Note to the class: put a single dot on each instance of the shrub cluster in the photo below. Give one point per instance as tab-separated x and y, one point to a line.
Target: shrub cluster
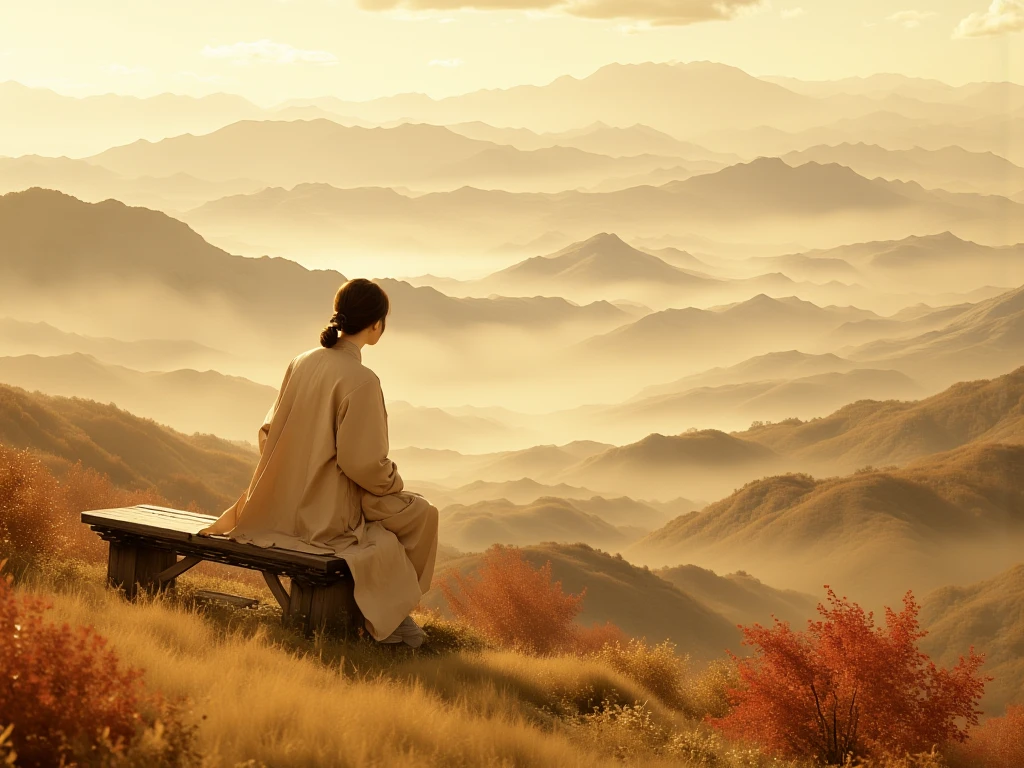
39	513
66	700
518	606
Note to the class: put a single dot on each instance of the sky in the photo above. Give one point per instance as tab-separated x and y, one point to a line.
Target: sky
272	50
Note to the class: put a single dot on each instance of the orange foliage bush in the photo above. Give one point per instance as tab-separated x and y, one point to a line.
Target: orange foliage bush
518	606
998	743
67	698
846	687
39	513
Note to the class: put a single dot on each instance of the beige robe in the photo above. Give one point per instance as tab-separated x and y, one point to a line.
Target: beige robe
324	484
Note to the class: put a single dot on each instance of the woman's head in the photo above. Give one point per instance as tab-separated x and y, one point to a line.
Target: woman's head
359	306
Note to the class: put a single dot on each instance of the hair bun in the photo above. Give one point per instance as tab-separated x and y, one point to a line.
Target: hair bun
329	336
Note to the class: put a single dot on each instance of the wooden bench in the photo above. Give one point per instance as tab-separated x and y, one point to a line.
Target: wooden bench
147	541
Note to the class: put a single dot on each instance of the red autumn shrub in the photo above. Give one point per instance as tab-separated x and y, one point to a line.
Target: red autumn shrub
518	606
40	514
30	503
997	743
67	697
846	687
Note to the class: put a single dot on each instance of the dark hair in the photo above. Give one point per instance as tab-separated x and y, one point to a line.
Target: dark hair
358	304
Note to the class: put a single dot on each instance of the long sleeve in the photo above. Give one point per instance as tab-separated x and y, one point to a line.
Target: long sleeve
362	441
264	432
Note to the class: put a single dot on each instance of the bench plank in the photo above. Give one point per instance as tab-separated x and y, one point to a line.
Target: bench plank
160	526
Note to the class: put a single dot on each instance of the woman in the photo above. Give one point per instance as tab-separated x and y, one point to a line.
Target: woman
324	482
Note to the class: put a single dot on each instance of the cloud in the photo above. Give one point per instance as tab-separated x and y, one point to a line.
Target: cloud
910	19
268	51
792	13
446	63
656	12
1001	18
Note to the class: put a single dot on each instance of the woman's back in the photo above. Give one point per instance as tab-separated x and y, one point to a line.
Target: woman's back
324	483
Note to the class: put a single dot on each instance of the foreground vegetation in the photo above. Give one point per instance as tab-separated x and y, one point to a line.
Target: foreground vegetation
197	683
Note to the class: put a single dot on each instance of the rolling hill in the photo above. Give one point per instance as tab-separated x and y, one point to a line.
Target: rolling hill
818	205
133	452
990	616
952	168
22	338
91	183
286	153
187	400
789	364
598	138
567	101
478	526
759	400
985	340
740	597
873	534
935	263
695	464
99	121
883	433
700	338
634	598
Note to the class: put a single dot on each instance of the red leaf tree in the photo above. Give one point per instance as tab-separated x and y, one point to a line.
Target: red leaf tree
844	687
519	606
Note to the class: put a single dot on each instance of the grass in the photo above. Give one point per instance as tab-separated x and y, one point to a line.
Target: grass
263	695
261	692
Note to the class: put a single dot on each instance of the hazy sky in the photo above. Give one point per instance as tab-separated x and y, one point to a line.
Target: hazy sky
269	50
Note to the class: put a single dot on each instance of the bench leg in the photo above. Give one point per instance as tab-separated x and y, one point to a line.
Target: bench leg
332	609
130	566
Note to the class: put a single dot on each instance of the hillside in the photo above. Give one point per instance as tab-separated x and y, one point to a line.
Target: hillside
23	338
286	153
952	167
635	599
719	336
881	433
740	597
738	404
873	534
697	464
985	340
134	452
990	616
935	263
478	526
187	400
790	364
603	259
99	121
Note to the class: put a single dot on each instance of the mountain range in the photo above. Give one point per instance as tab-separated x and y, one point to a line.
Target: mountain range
875	533
820	205
286	153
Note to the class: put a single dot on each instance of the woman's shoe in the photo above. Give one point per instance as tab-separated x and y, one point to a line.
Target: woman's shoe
408	632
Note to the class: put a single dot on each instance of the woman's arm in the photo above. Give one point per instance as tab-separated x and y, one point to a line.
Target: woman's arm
362	438
264	432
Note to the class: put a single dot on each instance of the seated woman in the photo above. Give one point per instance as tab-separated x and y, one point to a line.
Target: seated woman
324	483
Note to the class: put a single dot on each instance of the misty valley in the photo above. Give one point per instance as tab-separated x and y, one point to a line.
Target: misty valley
699	364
